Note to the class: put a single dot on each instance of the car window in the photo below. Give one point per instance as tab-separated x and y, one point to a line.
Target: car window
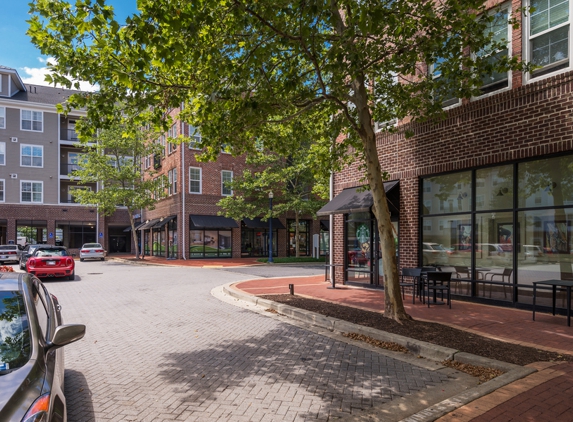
14	332
51	252
8	248
92	245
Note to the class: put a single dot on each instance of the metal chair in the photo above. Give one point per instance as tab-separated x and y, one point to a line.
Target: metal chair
505	275
462	274
414	275
439	281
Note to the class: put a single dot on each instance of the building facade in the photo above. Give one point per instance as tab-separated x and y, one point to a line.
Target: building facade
186	224
37	154
487	192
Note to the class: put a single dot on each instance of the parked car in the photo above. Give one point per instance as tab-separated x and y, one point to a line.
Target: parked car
27	252
434	254
31	358
10	253
92	251
533	253
51	261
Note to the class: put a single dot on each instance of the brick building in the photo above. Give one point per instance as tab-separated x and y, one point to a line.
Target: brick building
486	193
188	217
37	153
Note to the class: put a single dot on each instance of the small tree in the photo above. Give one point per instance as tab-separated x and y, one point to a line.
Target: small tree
296	186
113	160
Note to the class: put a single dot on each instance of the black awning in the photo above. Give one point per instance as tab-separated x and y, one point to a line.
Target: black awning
325	225
211	222
127	229
350	200
148	224
163	221
257	223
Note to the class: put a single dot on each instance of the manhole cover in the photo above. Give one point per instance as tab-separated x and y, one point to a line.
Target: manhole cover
94	273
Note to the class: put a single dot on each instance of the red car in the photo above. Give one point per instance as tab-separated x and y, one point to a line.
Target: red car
51	261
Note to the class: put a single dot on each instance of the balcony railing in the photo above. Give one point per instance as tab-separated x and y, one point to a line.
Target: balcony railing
69	135
67	168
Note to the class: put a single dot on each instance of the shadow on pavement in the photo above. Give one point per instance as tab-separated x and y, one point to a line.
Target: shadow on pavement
270	371
78	397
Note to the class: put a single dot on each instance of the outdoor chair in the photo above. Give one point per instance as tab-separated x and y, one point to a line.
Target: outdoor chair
410	277
462	273
505	276
439	281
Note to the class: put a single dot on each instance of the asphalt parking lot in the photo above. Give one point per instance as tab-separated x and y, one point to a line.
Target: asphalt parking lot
160	347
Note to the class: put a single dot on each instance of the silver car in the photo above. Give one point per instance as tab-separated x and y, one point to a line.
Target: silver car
10	253
31	358
92	251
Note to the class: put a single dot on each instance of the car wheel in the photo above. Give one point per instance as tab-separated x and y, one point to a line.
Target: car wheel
81	260
103	259
72	276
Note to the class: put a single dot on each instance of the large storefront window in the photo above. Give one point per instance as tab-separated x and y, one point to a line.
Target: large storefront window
303	237
35	231
255	242
505	233
324	237
172	237
73	234
213	243
158	246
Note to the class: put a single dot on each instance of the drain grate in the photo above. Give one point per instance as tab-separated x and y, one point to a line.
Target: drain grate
94	273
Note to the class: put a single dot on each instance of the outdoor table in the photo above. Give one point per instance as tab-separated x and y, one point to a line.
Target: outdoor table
567	284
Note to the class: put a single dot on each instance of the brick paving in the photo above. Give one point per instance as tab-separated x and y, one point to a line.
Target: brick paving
159	347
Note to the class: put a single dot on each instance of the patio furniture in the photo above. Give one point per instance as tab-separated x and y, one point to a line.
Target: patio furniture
567	284
462	273
410	277
438	281
505	276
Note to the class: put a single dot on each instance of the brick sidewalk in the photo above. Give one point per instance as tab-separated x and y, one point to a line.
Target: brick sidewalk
543	396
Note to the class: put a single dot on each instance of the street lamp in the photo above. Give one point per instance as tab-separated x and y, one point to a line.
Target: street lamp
271	228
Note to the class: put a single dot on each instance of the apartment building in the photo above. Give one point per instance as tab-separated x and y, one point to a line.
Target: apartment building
486	193
187	224
37	154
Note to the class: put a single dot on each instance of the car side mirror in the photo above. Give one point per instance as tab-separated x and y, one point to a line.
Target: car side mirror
66	334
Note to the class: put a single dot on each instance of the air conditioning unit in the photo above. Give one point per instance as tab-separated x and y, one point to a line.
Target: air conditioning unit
14	139
13	176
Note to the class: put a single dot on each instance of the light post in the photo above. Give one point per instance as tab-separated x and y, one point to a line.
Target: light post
271	228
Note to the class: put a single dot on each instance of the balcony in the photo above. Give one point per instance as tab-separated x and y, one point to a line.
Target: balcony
67	168
69	135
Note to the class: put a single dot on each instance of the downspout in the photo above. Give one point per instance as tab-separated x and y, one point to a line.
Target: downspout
182	191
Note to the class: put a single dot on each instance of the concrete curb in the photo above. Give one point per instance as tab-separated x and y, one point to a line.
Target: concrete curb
420	348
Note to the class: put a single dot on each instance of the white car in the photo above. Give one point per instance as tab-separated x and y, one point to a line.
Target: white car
92	251
10	253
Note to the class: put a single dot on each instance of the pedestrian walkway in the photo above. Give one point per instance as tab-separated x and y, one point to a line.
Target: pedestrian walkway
542	396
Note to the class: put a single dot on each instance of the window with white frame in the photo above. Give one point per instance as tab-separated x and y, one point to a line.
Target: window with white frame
548	31
195	180
391	79
31	192
500	31
31	155
32	120
2	115
443	93
194	138
2	184
2	153
226	179
172	177
171	133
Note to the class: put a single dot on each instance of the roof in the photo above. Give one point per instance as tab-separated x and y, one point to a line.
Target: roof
10	281
44	94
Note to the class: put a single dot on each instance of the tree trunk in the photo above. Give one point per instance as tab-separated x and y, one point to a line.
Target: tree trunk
133	233
393	305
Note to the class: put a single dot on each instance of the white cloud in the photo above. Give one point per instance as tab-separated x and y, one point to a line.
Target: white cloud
36	75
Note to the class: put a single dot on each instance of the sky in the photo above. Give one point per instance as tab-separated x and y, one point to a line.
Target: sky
16	49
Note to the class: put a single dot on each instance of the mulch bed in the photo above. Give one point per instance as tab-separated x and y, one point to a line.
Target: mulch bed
425	331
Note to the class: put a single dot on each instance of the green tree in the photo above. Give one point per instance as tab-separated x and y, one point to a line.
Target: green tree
245	68
297	189
113	161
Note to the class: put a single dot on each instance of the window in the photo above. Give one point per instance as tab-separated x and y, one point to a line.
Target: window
73	189
442	93
549	35
2	153
172	176
31	192
226	178
194	180
172	133
31	155
385	105
2	115
32	120
194	138
2	190
500	32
